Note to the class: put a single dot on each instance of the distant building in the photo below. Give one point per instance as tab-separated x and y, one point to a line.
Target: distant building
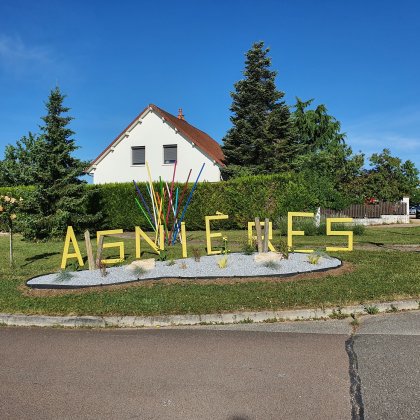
160	139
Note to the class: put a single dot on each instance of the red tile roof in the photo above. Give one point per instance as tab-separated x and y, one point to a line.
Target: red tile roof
202	140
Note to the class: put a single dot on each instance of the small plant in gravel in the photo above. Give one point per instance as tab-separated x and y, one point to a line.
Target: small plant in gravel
225	249
314	258
272	265
284	249
197	254
170	263
163	256
392	308
248	248
64	275
138	272
183	266
372	310
223	262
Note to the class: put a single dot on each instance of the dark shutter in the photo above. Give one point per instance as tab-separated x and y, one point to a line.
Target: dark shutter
138	155
169	154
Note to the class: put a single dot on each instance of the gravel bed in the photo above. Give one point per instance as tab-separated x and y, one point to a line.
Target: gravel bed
239	265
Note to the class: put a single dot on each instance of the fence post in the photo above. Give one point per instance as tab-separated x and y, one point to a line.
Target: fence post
318	217
406	200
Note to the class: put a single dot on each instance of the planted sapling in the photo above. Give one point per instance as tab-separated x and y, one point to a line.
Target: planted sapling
139	272
271	265
222	263
64	275
197	254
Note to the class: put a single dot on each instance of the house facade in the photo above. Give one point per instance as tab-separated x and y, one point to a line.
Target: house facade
160	139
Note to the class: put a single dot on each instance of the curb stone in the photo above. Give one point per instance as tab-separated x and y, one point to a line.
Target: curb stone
174	320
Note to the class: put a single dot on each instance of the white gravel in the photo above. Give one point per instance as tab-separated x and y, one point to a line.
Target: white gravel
239	265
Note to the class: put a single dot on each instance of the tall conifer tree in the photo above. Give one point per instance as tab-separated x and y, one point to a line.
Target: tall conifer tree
260	139
60	197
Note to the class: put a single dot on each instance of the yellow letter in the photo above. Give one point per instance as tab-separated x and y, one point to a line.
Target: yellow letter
161	238
139	233
70	237
291	232
213	235
183	240
119	245
347	233
270	234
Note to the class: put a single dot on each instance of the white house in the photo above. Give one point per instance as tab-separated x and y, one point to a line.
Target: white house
160	139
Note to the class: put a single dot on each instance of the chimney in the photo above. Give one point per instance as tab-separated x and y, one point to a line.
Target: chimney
180	114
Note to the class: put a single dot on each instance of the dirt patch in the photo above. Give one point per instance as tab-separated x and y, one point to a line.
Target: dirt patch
345	268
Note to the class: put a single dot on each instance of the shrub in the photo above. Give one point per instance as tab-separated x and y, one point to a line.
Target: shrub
359	229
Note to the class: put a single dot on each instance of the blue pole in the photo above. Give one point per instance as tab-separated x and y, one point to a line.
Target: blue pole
176	199
142	199
186	205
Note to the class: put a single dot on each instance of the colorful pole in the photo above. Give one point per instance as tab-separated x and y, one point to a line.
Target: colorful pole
170	193
145	214
186	204
179	204
142	198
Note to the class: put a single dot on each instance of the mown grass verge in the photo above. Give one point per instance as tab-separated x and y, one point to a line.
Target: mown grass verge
377	276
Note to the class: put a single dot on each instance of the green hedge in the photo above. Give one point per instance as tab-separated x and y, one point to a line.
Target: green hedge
16	192
242	199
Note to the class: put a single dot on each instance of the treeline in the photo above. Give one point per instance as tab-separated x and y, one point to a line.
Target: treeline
268	136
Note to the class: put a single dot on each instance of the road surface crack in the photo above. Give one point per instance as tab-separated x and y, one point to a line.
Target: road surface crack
356	400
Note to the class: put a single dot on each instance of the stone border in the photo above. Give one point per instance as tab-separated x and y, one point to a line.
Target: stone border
176	320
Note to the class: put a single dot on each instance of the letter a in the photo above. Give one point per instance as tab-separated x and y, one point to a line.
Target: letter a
71	237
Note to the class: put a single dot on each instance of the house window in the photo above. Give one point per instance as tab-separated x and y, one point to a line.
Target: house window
138	155
170	154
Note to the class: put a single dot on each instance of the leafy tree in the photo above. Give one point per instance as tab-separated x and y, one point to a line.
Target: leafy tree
321	146
60	198
259	141
389	178
415	196
18	165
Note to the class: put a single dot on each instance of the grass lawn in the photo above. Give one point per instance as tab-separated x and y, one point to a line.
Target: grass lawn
378	275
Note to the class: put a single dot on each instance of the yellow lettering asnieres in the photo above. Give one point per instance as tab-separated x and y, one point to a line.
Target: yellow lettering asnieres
119	245
291	232
251	237
210	235
140	234
347	233
71	238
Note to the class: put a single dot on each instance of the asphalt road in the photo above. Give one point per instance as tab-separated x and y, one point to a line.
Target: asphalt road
388	355
272	371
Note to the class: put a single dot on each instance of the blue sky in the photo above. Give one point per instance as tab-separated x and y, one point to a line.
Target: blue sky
360	58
